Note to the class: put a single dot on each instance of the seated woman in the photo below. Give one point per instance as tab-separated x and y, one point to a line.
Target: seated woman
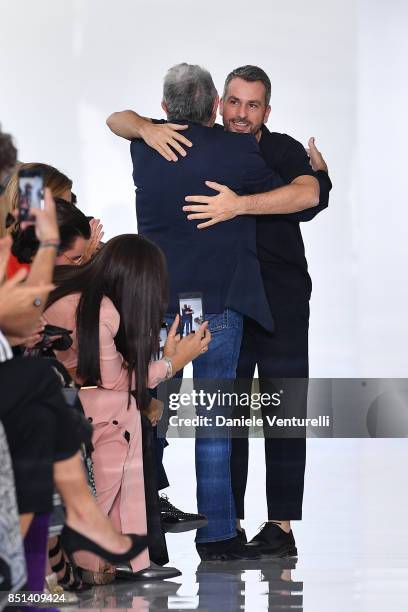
115	304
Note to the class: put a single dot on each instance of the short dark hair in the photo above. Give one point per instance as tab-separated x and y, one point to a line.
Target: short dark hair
250	73
189	93
72	223
8	152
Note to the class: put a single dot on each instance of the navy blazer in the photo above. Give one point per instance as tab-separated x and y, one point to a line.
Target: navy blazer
220	261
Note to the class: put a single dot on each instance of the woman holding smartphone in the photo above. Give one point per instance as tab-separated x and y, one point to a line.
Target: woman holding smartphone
115	304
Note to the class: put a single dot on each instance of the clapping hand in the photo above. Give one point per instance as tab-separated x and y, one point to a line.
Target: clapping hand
316	158
94	241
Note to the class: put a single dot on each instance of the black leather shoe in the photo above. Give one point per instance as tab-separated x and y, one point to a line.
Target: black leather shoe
273	541
153	572
176	521
226	550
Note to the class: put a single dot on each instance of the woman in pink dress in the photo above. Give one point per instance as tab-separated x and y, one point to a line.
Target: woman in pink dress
115	306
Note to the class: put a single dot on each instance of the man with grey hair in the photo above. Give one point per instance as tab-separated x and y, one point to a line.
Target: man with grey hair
197	83
221	264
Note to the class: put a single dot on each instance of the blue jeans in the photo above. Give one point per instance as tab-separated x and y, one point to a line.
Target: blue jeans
212	455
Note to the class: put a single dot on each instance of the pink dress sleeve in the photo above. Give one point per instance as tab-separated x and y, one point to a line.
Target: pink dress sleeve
114	374
157	373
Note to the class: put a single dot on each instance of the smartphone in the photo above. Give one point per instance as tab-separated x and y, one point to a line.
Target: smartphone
191	312
164	331
162	341
30	192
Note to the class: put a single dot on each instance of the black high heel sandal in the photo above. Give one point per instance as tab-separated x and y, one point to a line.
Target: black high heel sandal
72	541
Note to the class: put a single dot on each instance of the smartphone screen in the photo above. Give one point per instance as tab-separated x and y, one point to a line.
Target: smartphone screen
163	337
30	193
191	312
162	341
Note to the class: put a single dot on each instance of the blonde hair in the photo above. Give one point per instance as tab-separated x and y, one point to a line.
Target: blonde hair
58	182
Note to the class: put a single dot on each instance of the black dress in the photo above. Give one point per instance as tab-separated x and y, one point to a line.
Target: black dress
40	428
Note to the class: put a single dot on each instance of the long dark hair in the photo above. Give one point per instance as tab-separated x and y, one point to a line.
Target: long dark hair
131	271
72	223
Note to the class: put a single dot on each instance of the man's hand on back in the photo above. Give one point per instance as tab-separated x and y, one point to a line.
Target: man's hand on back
221	207
164	137
301	194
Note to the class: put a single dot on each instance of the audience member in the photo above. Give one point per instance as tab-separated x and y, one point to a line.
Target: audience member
115	304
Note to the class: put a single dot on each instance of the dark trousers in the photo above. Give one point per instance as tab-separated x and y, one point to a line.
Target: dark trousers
159	444
279	355
155	533
40	428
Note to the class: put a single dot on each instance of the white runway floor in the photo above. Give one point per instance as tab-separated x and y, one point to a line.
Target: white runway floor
352	542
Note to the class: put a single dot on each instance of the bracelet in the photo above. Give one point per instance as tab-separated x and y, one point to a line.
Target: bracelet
54	244
169	373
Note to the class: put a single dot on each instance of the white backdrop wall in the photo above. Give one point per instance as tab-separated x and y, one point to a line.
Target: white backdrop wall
336	69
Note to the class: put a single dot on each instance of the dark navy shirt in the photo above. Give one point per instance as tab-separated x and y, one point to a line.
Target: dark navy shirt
221	261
